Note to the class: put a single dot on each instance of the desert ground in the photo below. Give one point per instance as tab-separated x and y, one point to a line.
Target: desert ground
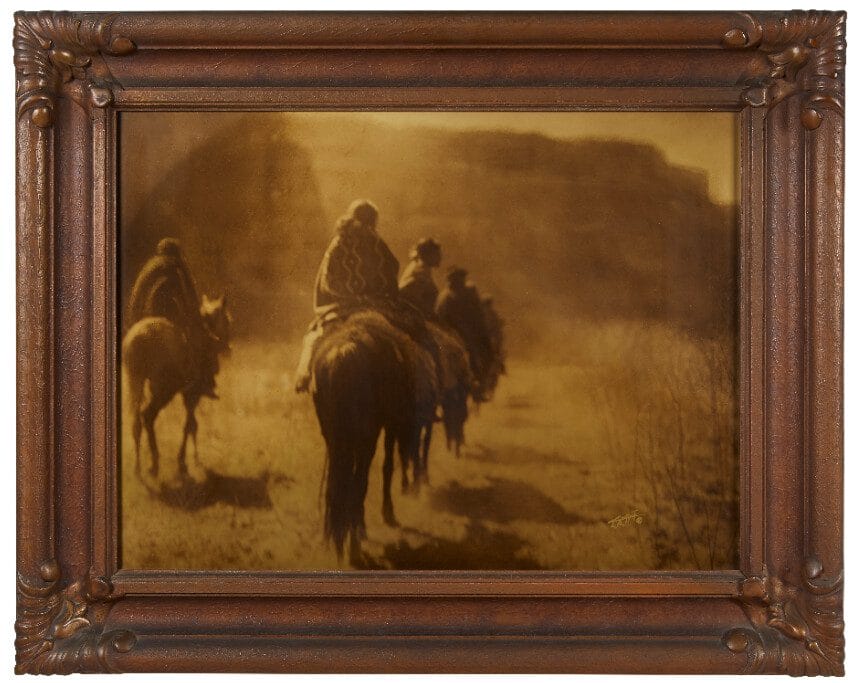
548	468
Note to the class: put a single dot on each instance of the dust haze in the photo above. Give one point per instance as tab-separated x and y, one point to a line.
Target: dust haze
612	265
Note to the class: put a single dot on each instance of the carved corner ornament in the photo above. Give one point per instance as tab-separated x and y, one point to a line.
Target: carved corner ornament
797	630
59	52
56	631
807	57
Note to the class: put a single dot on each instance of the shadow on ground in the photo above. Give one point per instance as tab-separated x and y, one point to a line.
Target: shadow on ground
480	549
502	501
515	455
191	494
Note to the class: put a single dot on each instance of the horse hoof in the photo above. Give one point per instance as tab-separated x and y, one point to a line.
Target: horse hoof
356	558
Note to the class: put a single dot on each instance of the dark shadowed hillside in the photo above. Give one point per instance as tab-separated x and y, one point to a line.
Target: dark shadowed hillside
558	231
245	203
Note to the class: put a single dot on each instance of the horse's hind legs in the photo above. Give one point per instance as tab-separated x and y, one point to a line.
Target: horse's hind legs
423	458
153	444
189	430
135	385
149	413
411	454
137	430
387	504
355	554
405	460
359	522
357	496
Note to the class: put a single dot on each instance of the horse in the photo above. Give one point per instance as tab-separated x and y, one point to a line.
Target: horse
461	381
455	383
367	376
414	436
160	356
496	365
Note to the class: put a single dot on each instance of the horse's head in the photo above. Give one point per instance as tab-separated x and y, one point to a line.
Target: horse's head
218	321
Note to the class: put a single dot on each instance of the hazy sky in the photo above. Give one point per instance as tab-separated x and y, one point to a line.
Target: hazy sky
703	140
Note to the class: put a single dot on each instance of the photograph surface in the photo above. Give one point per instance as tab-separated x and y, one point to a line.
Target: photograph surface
428	340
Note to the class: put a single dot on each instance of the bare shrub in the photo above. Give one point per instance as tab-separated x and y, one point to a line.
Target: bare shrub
667	403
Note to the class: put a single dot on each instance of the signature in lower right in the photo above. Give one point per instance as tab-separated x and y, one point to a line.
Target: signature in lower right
625	520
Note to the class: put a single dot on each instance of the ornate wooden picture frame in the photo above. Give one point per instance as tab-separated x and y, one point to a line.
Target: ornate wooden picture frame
780	612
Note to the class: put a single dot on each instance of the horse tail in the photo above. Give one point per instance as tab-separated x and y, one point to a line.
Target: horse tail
153	350
136	383
341	379
135	370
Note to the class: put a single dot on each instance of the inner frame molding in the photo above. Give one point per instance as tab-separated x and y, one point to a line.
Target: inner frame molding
781	613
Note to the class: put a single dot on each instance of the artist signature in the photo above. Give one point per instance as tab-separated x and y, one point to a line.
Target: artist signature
625	520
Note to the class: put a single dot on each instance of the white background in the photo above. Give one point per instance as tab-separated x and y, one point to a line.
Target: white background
7	279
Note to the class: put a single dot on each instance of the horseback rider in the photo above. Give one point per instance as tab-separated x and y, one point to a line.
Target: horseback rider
358	266
497	353
459	307
416	285
165	288
358	270
494	327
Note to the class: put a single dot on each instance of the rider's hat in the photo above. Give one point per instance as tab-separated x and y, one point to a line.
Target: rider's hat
426	248
456	274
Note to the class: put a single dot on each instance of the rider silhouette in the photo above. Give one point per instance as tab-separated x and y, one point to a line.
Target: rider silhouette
459	307
357	270
165	288
416	285
358	266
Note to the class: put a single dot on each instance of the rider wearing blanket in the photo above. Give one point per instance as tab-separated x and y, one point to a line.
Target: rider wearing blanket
358	267
358	272
165	288
459	308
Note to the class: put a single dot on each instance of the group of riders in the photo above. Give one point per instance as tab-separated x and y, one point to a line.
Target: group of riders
358	272
394	354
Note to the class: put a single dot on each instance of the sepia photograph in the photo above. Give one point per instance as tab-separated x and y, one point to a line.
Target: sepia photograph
428	341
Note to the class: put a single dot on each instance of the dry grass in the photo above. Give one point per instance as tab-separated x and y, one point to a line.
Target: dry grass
630	421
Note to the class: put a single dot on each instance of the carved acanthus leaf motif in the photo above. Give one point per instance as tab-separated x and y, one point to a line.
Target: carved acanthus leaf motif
55	48
807	57
797	630
55	634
